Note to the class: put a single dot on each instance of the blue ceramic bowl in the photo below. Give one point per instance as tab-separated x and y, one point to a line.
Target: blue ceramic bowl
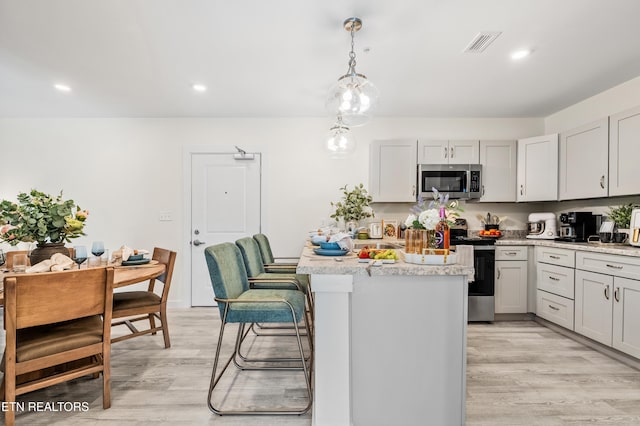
329	246
135	257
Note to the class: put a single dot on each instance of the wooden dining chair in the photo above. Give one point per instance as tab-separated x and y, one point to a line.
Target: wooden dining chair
58	328
11	254
146	305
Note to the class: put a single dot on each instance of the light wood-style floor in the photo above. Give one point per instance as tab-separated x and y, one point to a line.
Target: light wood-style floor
519	373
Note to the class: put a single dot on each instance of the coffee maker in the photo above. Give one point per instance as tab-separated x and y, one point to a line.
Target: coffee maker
577	226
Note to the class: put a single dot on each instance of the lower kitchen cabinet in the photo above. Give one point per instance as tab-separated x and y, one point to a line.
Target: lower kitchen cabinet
593	306
626	316
556	309
607	306
511	287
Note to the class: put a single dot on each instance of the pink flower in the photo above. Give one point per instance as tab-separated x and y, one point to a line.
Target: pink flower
82	214
5	228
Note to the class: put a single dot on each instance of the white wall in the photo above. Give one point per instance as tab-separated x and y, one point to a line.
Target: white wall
125	171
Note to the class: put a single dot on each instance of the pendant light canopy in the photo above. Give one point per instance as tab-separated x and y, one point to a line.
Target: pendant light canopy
353	96
339	141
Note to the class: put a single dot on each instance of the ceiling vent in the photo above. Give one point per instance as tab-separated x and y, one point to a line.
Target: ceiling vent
481	41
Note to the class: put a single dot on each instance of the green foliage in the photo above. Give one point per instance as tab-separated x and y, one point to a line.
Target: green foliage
621	215
41	218
354	204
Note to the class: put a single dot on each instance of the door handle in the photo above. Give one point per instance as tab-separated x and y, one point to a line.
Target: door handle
606	292
197	242
498	277
602	182
446	152
451	149
521	190
616	294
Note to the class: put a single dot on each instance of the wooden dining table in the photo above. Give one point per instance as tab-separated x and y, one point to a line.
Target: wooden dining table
122	275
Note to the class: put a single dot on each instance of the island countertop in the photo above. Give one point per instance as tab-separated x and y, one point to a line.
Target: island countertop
311	263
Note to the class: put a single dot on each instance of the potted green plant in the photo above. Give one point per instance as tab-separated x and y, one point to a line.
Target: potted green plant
353	207
621	215
41	218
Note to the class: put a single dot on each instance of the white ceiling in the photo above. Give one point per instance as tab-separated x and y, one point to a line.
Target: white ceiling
265	58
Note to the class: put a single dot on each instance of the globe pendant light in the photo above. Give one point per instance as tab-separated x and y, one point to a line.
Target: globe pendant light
353	96
340	142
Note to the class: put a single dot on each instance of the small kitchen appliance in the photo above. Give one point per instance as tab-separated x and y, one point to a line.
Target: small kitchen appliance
542	226
577	226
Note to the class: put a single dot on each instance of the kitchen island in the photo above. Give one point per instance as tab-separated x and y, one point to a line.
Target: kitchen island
390	341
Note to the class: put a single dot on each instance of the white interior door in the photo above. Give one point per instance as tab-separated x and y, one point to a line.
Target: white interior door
225	206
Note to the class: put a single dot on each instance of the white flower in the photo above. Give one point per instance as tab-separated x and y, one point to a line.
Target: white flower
410	219
429	218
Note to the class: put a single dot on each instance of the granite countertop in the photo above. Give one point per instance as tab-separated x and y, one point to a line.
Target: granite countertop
619	249
311	263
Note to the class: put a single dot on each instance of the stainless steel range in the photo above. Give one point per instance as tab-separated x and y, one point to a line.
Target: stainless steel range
482	289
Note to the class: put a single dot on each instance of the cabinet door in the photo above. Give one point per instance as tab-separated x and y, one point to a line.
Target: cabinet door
393	170
624	151
498	159
464	152
538	168
626	316
583	165
511	287
593	306
433	152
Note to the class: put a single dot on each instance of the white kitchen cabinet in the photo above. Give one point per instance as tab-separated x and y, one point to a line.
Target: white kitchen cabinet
608	301
393	170
499	167
593	306
555	280
554	308
626	316
583	161
449	152
624	151
538	168
511	287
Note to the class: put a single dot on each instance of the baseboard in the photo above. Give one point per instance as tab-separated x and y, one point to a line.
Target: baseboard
514	317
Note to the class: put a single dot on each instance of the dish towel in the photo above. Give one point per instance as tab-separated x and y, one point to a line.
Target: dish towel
343	239
58	262
465	257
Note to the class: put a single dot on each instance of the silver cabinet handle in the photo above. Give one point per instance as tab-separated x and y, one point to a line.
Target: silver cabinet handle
602	182
614	266
553	278
616	294
451	149
197	242
498	277
554	257
606	292
413	191
482	189
511	253
521	190
446	152
554	308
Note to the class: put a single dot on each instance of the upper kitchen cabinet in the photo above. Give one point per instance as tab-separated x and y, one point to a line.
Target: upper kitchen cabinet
583	167
499	165
538	168
393	170
624	151
448	152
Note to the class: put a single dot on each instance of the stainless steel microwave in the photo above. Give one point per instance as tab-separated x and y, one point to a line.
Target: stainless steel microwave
458	180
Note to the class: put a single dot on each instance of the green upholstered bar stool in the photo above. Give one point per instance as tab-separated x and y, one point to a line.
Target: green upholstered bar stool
271	263
260	278
238	303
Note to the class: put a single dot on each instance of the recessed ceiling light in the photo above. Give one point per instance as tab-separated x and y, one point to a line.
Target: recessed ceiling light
62	87
520	54
199	88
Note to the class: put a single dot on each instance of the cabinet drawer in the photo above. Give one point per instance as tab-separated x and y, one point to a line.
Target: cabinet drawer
610	264
556	309
555	256
511	252
556	279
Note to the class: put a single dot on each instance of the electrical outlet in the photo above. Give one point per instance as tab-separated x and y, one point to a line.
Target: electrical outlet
165	216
